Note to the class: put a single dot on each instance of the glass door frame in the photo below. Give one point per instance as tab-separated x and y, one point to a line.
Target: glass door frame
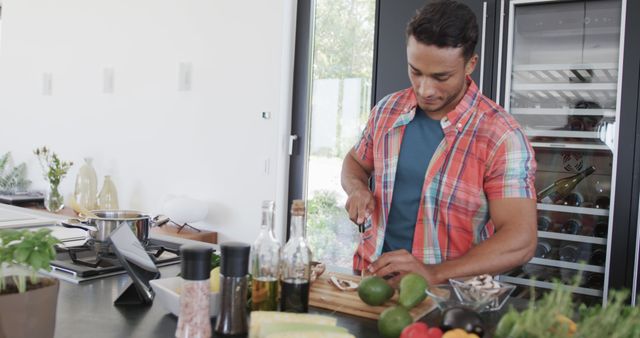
301	105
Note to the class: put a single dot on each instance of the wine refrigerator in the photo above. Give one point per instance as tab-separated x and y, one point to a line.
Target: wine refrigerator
562	81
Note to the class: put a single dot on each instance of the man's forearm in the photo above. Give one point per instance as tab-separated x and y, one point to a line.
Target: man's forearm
503	251
354	176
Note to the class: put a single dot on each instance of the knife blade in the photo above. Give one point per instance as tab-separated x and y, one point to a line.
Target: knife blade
361	231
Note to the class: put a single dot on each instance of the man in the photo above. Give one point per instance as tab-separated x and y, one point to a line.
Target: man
453	173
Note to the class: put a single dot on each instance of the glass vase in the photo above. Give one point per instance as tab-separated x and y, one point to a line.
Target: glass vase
53	200
108	196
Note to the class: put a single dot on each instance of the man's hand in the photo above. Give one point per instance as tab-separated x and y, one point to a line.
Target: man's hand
355	181
400	262
360	205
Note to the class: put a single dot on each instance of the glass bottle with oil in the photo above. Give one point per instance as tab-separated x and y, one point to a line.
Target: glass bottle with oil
295	276
265	262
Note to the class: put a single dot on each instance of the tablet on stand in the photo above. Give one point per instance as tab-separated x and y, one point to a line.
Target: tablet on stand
136	261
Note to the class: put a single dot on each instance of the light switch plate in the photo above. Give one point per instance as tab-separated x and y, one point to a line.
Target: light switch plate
185	70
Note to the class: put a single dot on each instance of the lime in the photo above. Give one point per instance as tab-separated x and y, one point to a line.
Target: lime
374	290
412	288
214	279
393	320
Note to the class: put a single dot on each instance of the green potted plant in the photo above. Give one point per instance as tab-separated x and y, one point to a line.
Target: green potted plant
54	170
27	302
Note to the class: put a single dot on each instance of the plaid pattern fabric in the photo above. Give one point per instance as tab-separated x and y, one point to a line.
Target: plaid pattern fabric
484	156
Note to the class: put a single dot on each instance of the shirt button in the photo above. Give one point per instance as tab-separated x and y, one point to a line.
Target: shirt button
459	126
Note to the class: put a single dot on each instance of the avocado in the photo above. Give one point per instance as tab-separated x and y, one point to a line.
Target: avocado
412	290
374	290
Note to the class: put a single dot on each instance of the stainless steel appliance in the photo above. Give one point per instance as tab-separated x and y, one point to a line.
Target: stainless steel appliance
562	83
88	260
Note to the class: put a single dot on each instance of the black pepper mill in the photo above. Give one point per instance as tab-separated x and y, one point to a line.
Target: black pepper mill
234	269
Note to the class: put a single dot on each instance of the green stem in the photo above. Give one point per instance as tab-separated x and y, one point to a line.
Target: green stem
22	283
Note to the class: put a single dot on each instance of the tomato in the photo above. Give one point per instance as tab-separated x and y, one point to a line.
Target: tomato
415	330
434	332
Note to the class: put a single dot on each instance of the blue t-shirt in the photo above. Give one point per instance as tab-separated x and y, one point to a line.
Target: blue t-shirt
421	138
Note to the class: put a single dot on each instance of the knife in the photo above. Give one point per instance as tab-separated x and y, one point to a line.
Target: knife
361	231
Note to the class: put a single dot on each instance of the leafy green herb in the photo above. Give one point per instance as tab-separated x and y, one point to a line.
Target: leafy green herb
215	260
33	250
550	318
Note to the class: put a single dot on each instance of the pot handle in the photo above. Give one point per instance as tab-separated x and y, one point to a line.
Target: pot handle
160	220
78	224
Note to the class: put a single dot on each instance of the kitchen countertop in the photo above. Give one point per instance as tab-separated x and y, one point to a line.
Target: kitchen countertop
87	310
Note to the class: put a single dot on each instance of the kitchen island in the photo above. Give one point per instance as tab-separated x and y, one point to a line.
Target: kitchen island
87	310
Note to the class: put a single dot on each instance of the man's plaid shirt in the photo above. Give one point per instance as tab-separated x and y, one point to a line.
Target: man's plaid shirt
484	156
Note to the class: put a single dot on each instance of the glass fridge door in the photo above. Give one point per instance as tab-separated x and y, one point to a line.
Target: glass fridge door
562	85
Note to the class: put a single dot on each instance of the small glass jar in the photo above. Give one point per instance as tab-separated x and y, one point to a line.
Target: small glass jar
194	320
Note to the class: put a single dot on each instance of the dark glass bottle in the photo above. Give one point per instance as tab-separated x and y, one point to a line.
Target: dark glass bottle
602	202
569	252
545	223
594	280
572	226
574	199
543	249
295	260
598	257
601	229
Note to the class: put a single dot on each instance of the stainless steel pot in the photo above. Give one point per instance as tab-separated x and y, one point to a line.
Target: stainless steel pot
105	221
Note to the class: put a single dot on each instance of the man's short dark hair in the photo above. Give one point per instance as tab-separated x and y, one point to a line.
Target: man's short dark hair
445	23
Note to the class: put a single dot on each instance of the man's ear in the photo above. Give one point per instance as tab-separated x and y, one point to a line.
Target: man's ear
470	66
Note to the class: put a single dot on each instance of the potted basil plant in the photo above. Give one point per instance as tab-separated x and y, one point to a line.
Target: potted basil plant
27	301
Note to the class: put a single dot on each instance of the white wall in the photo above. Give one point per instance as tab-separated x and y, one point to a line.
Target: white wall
209	143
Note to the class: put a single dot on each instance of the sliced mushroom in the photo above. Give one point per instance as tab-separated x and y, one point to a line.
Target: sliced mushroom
343	284
316	270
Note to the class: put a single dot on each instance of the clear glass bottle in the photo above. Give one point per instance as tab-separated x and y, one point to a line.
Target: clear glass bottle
194	320
86	188
563	187
296	264
265	260
108	197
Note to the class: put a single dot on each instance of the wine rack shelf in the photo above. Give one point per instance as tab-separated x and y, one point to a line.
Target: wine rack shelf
548	285
567	265
573	238
572	210
545	73
569	145
563	112
561	133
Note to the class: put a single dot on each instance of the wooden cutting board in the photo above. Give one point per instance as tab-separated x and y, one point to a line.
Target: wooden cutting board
326	296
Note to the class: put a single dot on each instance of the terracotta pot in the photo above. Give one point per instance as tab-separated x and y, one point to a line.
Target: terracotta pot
30	314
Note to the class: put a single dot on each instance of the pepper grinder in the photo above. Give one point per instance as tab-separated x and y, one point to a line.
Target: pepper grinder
194	320
234	269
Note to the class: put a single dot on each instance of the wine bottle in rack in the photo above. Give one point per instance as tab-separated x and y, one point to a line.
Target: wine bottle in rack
569	252
545	223
574	199
602	202
572	227
543	249
561	188
601	229
598	257
593	280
